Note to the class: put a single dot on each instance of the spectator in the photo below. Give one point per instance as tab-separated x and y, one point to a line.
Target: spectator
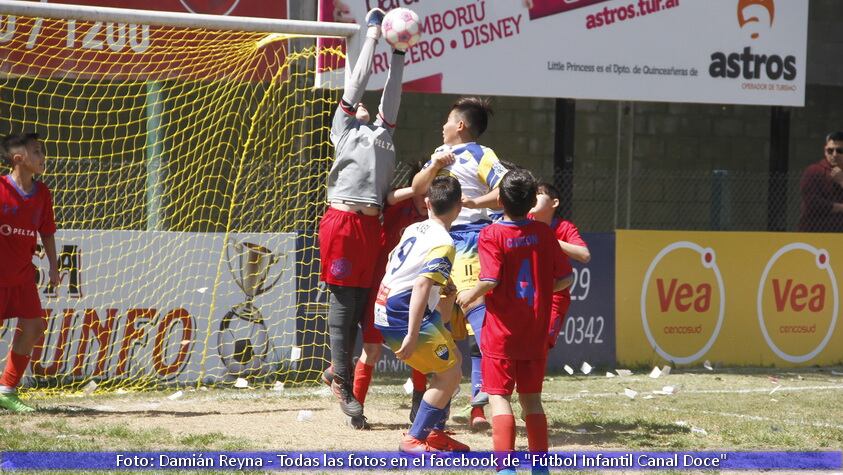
822	190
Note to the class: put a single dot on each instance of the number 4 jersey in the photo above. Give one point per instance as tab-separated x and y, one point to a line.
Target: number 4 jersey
525	260
427	250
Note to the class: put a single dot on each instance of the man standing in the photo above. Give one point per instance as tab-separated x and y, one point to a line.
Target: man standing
822	190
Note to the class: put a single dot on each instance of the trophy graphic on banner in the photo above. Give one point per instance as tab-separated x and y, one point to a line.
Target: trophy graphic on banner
243	340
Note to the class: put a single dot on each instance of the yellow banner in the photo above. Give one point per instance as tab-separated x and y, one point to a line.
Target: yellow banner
732	298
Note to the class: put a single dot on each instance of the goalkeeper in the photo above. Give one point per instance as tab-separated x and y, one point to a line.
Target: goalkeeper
359	183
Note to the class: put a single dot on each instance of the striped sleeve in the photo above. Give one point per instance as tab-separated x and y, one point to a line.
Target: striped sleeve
438	263
490	171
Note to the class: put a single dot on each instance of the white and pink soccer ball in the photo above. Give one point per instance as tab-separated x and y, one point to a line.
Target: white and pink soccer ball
401	28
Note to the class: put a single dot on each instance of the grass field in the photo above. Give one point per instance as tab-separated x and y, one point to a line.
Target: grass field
742	410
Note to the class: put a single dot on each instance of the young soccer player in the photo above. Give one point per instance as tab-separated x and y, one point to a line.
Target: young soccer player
26	208
358	184
479	172
521	267
572	244
405	313
406	206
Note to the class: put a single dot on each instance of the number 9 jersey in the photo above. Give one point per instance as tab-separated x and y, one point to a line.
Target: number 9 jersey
426	250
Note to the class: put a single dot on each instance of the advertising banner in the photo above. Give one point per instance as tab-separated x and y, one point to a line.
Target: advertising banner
167	306
708	51
74	48
731	298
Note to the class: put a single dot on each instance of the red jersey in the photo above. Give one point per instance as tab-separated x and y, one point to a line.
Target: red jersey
525	260
396	218
21	217
565	231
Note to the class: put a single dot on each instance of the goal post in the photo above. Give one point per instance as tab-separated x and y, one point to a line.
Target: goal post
187	156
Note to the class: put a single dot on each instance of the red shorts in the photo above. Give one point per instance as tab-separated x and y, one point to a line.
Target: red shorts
20	302
348	245
501	376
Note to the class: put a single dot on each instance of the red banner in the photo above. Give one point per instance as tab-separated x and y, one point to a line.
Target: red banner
50	48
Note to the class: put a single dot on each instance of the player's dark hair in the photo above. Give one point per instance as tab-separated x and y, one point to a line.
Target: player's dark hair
548	189
445	193
475	113
13	141
834	137
518	193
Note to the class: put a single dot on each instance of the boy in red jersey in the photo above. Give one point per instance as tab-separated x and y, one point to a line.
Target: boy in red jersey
521	266
26	208
572	244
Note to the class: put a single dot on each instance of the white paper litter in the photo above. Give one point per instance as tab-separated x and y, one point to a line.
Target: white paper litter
241	383
775	389
655	373
203	388
630	393
698	431
278	386
568	369
202	290
295	353
666	370
610	374
89	388
408	386
121	391
623	372
585	368
584	391
681	423
707	365
304	416
649	396
175	395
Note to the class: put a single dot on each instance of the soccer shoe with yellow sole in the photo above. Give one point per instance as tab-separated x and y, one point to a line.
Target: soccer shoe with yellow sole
462	416
11	402
441	440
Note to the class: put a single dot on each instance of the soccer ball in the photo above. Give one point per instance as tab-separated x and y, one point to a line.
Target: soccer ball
401	28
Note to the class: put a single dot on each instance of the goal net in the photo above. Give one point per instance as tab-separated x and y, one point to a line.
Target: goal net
187	164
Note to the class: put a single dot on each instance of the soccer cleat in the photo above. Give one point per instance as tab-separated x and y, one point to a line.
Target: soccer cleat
328	376
478	420
413	445
462	416
358	423
417	399
441	440
480	399
348	405
375	17
11	402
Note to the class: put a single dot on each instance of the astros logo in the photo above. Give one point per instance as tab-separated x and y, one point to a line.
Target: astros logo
746	15
682	302
797	302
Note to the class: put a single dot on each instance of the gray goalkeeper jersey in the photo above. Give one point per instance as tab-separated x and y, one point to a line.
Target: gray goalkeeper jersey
364	158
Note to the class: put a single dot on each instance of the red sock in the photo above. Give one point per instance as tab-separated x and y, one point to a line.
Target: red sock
536	432
15	368
362	378
419	381
503	433
477	411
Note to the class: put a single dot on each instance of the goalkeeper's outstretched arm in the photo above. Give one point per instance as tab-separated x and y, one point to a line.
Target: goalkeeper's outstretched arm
391	97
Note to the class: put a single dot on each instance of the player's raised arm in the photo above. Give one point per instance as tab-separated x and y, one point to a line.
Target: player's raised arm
356	85
391	97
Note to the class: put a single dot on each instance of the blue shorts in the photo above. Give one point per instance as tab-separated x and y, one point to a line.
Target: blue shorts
435	351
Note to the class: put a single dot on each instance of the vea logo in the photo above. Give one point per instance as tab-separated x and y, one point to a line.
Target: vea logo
682	302
797	302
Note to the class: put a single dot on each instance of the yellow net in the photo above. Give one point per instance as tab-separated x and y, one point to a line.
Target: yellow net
187	168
